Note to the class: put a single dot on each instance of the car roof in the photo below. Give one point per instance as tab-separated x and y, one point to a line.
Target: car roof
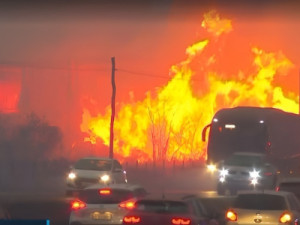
289	180
267	192
125	186
249	154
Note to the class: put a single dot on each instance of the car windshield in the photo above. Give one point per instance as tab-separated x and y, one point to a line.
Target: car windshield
93	164
260	202
115	196
162	206
244	160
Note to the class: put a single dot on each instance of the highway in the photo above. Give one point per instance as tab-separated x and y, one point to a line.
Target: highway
48	201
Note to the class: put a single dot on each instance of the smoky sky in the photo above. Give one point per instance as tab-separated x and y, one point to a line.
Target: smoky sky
43	40
59	32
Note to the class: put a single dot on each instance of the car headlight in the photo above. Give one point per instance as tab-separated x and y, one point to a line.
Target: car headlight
223	172
105	178
72	175
254	174
222	179
211	168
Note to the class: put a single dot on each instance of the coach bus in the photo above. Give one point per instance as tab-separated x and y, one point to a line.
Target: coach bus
253	129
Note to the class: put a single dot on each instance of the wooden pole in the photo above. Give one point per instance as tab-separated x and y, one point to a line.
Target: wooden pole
111	143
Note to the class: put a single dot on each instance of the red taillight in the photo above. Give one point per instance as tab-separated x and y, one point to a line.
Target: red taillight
277	188
285	217
129	204
77	204
131	219
104	191
231	215
181	221
268	173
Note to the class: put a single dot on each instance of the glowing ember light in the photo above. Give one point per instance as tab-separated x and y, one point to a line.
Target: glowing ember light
215	25
167	125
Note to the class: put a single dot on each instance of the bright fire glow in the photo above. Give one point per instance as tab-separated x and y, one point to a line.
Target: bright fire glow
167	125
10	89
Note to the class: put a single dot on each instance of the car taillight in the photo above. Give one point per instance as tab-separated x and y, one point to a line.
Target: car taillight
77	204
131	219
285	217
231	215
277	188
268	173
104	191
181	221
129	204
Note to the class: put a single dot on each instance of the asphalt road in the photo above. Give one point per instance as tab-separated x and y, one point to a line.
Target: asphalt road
48	201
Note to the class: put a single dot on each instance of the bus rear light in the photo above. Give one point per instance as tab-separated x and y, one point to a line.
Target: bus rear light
231	215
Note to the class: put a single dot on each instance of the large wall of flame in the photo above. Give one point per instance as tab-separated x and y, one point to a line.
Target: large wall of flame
63	60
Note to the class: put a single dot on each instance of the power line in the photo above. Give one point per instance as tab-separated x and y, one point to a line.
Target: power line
75	69
149	75
30	66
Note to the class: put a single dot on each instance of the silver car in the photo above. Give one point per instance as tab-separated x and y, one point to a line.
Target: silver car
264	207
102	204
93	170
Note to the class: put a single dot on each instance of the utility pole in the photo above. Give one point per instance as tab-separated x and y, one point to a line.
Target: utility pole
113	97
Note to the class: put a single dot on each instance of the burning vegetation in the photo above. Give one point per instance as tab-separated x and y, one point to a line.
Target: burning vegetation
167	124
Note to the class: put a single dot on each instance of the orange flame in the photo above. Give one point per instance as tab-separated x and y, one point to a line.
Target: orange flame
10	89
167	125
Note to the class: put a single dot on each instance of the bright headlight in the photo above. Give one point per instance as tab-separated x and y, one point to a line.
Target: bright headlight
223	172
211	168
254	174
105	178
72	175
222	179
254	181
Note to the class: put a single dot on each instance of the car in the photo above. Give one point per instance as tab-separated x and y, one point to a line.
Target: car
246	170
264	207
104	204
212	207
93	170
172	211
291	184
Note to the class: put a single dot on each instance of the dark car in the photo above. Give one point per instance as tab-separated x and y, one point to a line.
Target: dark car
166	211
213	208
290	184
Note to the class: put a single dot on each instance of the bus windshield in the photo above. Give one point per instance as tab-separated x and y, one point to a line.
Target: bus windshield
231	133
